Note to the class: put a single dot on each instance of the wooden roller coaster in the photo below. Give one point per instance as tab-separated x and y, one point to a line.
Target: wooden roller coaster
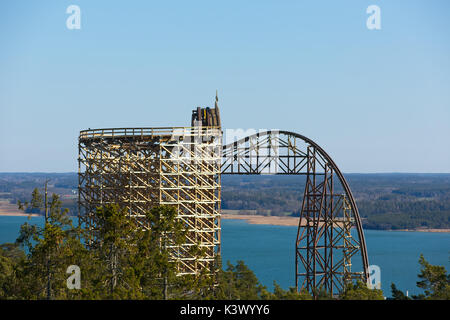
139	168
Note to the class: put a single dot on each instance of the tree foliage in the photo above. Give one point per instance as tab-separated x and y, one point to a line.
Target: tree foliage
398	294
120	259
360	291
434	280
290	294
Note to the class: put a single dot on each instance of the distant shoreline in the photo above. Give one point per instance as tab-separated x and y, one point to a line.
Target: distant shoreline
10	210
423	230
293	222
253	219
3	214
256	219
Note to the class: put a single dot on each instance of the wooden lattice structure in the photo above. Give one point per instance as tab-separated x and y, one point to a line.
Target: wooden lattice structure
138	168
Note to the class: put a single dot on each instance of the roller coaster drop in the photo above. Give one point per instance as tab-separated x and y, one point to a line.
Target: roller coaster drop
142	167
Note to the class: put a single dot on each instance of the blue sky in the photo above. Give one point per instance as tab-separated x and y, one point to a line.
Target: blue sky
375	100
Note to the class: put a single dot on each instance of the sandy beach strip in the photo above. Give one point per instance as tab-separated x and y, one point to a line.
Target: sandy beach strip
424	230
272	220
293	221
10	210
8	214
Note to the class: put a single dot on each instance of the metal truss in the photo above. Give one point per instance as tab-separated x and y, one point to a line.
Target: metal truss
324	245
139	168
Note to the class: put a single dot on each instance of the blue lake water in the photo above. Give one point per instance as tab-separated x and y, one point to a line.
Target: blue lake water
270	251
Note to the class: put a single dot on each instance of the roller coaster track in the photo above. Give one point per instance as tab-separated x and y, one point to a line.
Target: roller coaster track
138	168
324	244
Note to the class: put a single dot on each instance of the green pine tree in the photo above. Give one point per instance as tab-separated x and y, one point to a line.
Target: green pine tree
434	280
42	275
398	294
360	291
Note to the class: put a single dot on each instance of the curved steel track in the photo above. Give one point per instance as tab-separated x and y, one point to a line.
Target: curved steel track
256	154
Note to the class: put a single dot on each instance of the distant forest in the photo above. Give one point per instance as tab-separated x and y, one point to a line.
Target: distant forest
385	201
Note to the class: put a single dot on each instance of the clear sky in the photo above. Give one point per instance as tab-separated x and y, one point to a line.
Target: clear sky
375	100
